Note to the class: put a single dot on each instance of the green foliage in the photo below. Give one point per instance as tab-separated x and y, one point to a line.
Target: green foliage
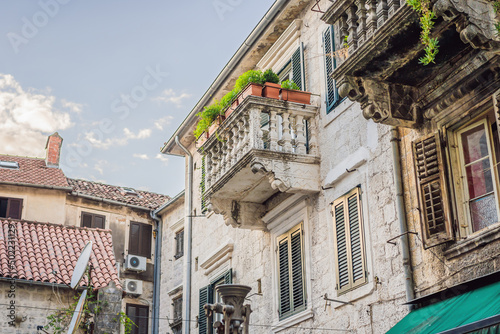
126	322
228	98
496	6
288	84
207	117
270	76
252	76
427	17
497	27
346	45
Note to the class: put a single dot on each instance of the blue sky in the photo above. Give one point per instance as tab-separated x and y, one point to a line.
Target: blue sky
114	78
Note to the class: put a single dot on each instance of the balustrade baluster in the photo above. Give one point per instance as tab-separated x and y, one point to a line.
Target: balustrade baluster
361	13
300	139
273	131
313	142
241	138
246	134
371	25
286	138
255	130
382	10
393	6
230	142
352	23
208	170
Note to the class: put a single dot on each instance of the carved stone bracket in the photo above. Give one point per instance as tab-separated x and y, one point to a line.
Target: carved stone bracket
239	214
478	24
383	102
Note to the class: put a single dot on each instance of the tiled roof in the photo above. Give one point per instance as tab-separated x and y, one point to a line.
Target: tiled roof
41	248
144	199
32	171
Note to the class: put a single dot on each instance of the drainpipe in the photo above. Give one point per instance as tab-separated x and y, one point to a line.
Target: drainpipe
187	230
403	228
156	274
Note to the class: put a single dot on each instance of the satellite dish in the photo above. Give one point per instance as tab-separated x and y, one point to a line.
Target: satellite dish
81	265
77	314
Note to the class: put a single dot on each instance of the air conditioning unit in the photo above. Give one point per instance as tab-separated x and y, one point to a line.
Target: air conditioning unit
133	287
135	263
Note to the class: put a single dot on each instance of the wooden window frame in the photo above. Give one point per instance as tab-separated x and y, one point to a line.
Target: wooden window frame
344	201
330	55
287	237
179	244
93	218
143	227
11	200
135	329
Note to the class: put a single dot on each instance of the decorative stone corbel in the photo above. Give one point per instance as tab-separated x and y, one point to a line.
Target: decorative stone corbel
239	214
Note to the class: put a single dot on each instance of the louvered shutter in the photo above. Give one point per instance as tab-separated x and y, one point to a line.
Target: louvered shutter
145	240
202	185
298	67
205	298
284	277
134	236
15	208
86	220
349	243
433	191
228	277
332	95
298	295
98	221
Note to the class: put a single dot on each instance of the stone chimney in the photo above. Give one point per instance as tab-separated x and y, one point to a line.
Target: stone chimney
53	150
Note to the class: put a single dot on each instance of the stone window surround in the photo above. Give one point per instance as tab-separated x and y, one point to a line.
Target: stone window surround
279	220
81	210
127	236
176	228
218	258
473	241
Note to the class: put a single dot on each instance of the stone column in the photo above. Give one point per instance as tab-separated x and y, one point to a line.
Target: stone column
108	320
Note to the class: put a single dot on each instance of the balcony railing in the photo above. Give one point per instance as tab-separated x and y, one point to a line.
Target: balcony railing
264	146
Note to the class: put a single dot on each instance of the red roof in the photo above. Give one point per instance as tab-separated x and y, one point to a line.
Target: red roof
42	248
141	198
32	171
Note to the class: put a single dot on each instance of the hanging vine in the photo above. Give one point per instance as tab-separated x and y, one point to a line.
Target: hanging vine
427	17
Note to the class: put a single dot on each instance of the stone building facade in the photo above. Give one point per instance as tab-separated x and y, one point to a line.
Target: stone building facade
306	229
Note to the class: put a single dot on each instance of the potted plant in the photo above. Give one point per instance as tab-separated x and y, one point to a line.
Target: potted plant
271	85
291	92
207	117
249	83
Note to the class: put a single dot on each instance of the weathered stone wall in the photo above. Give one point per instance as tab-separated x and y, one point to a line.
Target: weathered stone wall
108	319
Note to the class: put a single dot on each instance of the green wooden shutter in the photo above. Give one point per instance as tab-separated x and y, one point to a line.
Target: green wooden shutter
228	277
202	185
332	94
205	298
356	238
433	191
284	277
298	295
298	68
341	247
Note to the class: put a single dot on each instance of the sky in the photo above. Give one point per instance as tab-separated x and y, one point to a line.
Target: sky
114	79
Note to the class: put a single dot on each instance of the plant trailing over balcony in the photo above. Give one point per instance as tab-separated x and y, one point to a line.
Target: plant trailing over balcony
427	17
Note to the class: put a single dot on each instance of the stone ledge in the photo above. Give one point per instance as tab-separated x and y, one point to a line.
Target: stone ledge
479	239
293	320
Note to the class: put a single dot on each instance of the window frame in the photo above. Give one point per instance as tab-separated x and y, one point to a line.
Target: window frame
330	105
225	278
93	217
9	203
138	243
352	284
179	244
135	329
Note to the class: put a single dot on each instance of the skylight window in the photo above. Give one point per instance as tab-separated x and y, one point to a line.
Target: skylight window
9	164
129	191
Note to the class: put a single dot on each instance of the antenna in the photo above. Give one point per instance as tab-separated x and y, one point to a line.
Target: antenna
77	314
81	265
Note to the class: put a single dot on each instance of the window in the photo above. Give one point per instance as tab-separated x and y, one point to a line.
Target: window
139	314
473	150
291	294
93	220
140	239
176	324
9	164
179	244
11	208
294	69
349	244
208	295
332	93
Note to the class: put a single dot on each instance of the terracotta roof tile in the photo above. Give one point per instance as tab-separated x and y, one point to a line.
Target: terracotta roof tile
32	171
41	248
142	198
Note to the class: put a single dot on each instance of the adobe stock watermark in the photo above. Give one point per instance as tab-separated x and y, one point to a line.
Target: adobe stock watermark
223	6
31	26
11	258
121	107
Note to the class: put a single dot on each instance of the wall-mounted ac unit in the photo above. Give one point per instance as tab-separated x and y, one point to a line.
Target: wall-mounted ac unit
135	263
133	287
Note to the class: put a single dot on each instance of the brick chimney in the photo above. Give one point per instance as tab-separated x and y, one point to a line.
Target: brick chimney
53	150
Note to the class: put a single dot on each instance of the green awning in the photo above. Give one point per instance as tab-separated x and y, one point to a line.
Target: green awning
480	307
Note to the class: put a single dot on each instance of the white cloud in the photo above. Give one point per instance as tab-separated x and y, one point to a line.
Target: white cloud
163	158
117	141
160	123
72	106
100	166
169	96
141	156
142	134
27	116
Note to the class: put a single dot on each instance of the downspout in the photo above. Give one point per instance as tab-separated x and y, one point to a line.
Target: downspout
187	246
156	273
403	227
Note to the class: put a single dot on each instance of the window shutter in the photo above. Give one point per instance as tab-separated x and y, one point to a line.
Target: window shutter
298	67
15	208
205	298
332	94
134	237
143	320
228	277
202	185
341	245
86	220
356	240
433	192
297	270
145	241
284	277
98	221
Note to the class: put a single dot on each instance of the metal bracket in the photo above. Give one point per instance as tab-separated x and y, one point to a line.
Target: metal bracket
317	5
407	232
325	297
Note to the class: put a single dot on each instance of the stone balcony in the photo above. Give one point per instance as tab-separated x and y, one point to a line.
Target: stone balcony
265	147
383	48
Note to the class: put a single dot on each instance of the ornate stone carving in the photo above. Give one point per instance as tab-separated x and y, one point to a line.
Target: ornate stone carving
239	214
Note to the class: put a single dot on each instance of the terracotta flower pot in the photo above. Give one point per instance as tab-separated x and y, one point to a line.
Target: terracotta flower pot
202	139
251	89
296	96
272	90
231	108
215	125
